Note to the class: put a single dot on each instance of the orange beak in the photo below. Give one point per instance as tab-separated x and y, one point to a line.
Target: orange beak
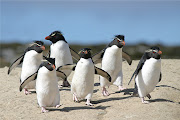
53	66
123	43
48	38
42	47
160	52
86	52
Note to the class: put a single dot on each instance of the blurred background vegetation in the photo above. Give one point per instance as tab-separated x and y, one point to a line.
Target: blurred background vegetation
11	51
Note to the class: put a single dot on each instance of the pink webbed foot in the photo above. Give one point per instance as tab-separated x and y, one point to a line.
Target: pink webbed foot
75	99
26	92
88	102
43	110
105	92
120	88
143	101
57	106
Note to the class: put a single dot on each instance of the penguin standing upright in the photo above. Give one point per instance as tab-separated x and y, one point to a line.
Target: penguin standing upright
46	84
31	59
83	80
148	72
112	63
61	51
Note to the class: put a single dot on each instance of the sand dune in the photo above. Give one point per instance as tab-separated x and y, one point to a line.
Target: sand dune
164	104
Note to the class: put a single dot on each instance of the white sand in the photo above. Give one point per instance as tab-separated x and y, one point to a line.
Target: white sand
164	104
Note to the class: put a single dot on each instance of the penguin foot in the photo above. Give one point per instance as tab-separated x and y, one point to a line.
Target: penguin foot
89	103
105	92
43	110
144	101
26	92
75	99
120	88
57	106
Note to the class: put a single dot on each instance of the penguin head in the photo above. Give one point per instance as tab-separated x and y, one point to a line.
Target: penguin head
49	63
118	41
55	36
38	46
154	52
85	53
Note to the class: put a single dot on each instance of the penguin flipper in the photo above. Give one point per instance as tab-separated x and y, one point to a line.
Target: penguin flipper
97	58
29	79
126	57
139	67
160	77
74	54
62	75
102	73
15	63
67	67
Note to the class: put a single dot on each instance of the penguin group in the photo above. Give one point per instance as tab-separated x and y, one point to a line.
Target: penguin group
42	73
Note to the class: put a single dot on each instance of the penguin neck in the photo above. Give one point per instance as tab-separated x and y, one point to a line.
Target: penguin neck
60	43
116	49
85	60
154	63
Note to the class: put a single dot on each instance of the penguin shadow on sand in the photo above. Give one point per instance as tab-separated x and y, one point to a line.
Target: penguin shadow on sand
68	109
168	87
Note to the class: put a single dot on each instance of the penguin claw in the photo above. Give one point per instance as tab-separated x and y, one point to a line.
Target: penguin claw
43	110
121	88
105	92
26	92
75	99
145	102
57	106
89	103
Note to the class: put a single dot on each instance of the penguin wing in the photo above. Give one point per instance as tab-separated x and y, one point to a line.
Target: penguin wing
61	74
102	73
74	54
97	58
15	63
29	79
139	67
67	67
126	57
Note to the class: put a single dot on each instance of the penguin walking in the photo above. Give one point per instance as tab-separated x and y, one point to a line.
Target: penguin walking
83	80
148	72
46	84
61	51
111	58
31	59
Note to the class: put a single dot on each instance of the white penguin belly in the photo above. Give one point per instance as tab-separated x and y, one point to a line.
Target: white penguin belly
148	77
111	63
83	79
60	51
47	88
31	63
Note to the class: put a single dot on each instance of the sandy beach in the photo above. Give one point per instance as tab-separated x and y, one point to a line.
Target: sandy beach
164	104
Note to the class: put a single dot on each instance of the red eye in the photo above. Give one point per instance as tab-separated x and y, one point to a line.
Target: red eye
154	52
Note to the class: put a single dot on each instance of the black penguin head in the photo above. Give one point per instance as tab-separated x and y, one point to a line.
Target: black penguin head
55	36
85	53
49	63
118	41
154	52
38	46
